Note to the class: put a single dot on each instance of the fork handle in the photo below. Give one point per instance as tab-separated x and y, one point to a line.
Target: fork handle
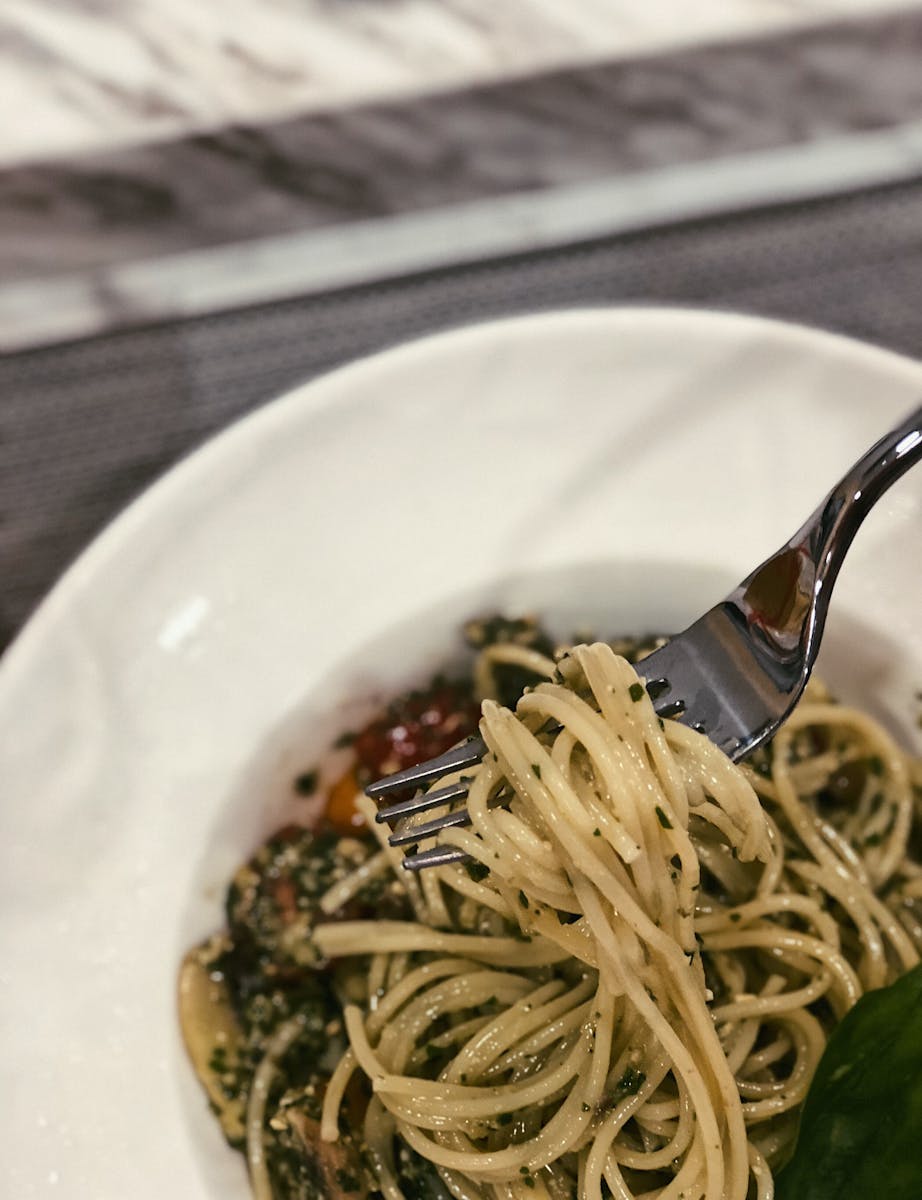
788	595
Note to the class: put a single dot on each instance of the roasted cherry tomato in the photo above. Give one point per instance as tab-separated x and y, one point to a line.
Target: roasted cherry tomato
416	727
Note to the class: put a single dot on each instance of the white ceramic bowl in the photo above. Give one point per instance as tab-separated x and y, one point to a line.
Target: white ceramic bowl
620	467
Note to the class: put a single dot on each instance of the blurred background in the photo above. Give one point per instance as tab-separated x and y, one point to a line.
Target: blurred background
203	204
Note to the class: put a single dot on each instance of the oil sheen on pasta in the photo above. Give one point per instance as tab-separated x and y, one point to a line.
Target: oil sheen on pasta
625	992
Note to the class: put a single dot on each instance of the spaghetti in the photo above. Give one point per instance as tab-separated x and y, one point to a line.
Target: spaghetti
627	988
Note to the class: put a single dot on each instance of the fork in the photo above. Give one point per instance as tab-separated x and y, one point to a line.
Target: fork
736	673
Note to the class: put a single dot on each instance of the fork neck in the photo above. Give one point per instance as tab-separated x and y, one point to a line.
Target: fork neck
787	597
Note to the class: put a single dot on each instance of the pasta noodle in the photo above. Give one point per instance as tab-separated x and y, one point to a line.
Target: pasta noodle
627	988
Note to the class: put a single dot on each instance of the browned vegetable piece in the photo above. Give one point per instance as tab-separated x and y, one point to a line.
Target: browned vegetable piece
336	1164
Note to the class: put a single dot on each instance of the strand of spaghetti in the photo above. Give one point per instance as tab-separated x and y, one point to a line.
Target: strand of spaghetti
684	1181
333	1096
719	776
453	1036
780	941
510	654
804	821
278	1045
762	1059
411	983
893	760
857	903
509	1028
514	841
606	1156
762	1176
397	968
772	876
377	979
379	1137
344	938
550	1023
433	891
759	1007
458	879
853	898
793	902
846	851
613	765
344	889
459	1187
611	680
430	1107
802	1039
737	1039
368	809
524	836
460	994
809	1042
671	1150
527	783
553	1140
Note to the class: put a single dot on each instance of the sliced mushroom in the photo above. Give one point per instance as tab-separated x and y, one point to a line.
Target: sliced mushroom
209	1024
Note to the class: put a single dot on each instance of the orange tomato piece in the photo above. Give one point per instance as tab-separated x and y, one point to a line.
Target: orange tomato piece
341	813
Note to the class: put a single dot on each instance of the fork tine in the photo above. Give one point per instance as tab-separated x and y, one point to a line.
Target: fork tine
422	803
416	833
438	856
466	755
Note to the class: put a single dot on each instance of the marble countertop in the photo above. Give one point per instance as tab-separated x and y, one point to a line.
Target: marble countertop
166	159
79	76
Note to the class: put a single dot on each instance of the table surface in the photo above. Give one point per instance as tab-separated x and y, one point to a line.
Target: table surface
78	77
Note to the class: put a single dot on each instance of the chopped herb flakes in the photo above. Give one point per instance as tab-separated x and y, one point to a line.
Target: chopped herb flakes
347	1181
631	1082
635	691
662	818
306	783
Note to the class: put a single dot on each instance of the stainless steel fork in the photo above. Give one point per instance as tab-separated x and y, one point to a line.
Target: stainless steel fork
738	671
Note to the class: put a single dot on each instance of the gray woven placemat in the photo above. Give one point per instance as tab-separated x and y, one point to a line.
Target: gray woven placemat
85	426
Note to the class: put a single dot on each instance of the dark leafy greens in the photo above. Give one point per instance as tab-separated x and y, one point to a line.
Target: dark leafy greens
861	1128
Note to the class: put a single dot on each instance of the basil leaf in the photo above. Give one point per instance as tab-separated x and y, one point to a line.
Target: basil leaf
861	1128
